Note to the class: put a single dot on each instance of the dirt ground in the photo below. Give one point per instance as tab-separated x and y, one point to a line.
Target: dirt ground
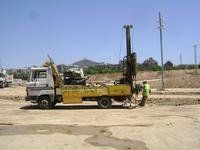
167	122
170	120
24	126
172	78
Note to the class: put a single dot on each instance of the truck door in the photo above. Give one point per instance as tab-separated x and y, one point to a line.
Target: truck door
39	77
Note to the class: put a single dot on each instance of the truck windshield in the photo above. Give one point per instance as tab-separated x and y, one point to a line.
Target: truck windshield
39	74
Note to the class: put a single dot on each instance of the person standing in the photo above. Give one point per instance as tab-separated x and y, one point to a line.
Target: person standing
145	93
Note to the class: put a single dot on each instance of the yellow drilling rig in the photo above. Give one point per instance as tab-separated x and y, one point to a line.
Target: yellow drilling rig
46	87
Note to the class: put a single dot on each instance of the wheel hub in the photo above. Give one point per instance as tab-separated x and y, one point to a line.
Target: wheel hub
44	103
105	102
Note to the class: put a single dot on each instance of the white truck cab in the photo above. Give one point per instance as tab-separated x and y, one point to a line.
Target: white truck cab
2	80
40	85
5	79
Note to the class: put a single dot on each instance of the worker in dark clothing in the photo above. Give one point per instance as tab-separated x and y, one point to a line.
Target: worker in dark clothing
145	93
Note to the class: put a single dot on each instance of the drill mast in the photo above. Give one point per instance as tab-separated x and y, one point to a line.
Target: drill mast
129	73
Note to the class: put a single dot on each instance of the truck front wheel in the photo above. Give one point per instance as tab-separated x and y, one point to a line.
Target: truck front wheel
3	85
44	103
104	102
53	104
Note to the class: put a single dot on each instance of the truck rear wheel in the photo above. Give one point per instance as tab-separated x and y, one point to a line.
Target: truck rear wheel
104	103
44	103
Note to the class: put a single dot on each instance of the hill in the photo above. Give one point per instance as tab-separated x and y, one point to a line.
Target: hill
86	63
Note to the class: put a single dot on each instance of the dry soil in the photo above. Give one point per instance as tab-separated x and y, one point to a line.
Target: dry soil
24	126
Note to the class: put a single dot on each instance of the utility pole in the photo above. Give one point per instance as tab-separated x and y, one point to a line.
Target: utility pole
161	26
195	59
181	61
0	64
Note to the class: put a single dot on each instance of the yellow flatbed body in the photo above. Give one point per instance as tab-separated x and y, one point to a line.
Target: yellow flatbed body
74	93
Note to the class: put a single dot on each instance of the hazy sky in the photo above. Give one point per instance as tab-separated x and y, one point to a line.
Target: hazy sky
70	30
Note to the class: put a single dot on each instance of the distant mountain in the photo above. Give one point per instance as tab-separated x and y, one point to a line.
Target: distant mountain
86	63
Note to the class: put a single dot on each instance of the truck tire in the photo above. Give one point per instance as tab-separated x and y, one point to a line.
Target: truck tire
44	102
104	103
3	85
53	104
